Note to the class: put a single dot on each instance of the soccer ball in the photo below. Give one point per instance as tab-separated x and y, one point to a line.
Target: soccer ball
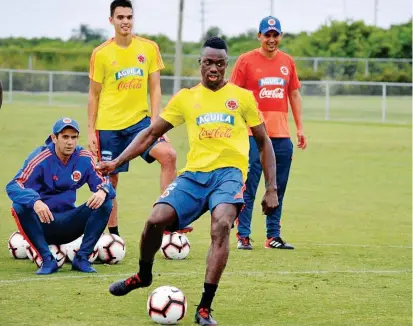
112	248
175	246
58	253
33	255
63	248
17	246
73	247
166	305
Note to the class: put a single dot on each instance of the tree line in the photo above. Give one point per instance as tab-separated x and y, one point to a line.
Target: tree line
344	39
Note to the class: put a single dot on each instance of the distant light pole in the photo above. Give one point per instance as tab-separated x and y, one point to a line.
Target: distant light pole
178	49
135	6
202	18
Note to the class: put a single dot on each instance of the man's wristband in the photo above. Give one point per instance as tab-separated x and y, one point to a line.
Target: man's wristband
104	189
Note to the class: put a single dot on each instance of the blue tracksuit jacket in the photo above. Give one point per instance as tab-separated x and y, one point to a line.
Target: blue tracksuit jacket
44	176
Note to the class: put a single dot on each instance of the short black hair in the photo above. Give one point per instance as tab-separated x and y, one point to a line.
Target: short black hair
119	3
215	42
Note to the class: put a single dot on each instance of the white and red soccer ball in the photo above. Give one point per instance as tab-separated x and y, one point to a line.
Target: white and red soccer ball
73	247
167	305
111	248
33	255
175	246
17	245
58	253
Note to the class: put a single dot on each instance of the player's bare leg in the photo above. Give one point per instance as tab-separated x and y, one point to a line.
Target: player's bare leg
166	156
113	218
223	216
162	216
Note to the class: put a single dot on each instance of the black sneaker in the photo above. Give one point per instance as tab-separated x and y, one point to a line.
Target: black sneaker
203	317
124	287
277	243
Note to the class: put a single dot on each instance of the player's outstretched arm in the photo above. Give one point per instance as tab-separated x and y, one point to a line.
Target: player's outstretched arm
155	94
267	156
92	110
140	144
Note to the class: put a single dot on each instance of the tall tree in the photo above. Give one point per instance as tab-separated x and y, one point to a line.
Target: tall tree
87	34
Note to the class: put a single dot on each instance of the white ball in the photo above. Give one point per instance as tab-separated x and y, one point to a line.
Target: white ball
33	255
56	251
112	248
17	246
175	246
73	247
58	254
167	305
63	248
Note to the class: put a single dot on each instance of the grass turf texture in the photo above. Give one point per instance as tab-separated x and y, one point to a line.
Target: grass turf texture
347	211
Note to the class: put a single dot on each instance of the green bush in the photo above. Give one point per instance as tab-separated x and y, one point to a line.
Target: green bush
349	39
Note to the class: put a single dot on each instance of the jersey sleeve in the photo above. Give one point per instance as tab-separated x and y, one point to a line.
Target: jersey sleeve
251	113
294	81
156	62
173	112
239	72
96	67
20	189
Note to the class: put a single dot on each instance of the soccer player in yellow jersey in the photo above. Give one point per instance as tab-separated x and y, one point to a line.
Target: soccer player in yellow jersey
217	116
120	71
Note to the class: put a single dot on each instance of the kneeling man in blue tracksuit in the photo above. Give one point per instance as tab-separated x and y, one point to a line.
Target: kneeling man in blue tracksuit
43	193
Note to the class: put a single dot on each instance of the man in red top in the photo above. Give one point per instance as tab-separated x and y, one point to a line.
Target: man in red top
271	75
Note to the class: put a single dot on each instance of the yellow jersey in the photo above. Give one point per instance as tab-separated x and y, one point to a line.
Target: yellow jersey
123	73
217	125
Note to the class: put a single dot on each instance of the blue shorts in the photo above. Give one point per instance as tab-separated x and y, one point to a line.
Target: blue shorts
193	193
113	142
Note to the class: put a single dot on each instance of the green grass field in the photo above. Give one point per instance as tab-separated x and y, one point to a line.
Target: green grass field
342	108
347	210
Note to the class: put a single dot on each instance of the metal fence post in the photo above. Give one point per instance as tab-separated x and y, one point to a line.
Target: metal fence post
327	108
10	86
50	88
383	103
366	69
315	65
30	67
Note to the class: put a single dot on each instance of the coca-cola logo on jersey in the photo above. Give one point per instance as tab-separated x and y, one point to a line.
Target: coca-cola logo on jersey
271	93
134	83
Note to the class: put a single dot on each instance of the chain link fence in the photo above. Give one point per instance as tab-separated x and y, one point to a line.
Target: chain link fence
327	100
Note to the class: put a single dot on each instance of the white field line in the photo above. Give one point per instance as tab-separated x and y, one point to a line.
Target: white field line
352	245
234	273
301	244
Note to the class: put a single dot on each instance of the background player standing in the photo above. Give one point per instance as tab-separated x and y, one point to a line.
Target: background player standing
121	69
271	75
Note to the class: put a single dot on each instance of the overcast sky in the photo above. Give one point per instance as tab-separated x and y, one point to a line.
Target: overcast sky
57	18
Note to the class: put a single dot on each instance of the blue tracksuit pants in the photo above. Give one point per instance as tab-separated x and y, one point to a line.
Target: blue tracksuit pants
283	149
66	227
